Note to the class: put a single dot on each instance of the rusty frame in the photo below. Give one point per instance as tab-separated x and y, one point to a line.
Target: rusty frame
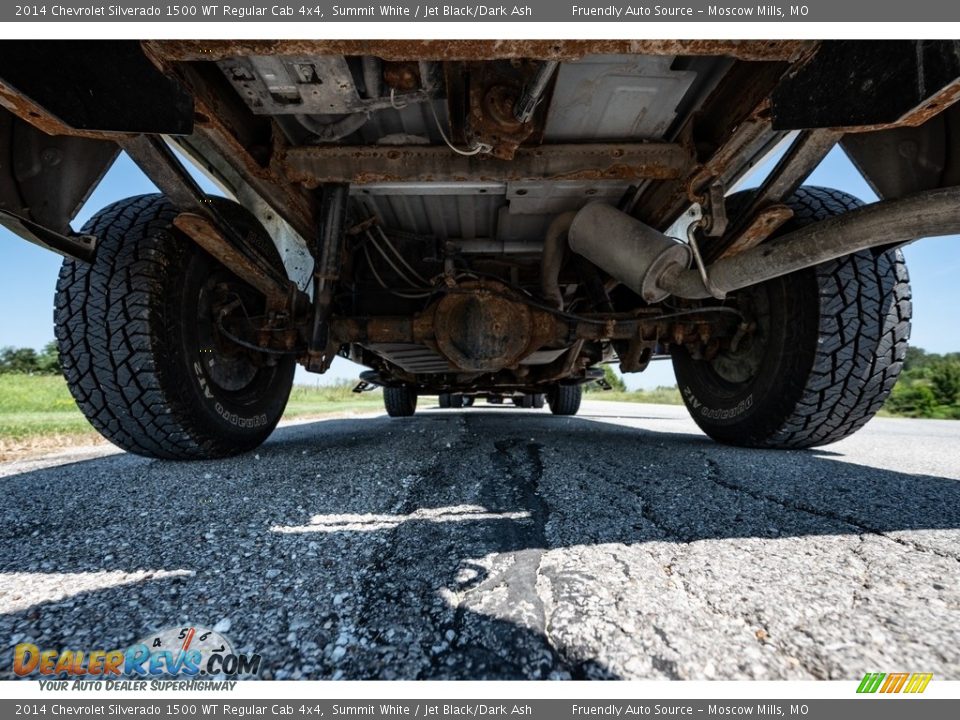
736	117
400	50
765	212
226	129
758	227
200	220
361	165
833	54
29	111
203	232
551	329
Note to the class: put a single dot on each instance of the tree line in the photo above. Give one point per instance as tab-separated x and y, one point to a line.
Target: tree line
27	361
929	386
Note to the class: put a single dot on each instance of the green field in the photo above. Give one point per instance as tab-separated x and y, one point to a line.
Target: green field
38	405
662	395
37	411
306	400
35	407
41	404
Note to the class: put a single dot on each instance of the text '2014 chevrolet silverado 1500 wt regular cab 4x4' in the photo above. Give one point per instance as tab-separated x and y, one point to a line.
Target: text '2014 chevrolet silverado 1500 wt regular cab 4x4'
479	219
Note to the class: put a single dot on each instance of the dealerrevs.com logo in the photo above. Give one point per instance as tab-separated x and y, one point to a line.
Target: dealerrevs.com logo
892	683
191	652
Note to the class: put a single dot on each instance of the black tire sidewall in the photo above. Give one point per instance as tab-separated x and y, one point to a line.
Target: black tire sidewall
245	417
748	413
565	399
400	401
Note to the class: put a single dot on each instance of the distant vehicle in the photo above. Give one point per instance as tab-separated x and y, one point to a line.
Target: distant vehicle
523	400
479	219
454	400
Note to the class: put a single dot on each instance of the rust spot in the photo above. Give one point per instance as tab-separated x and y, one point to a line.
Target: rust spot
313	165
492	95
402	76
206	235
943	99
762	226
24	108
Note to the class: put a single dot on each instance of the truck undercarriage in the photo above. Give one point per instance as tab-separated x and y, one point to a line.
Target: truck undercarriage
479	218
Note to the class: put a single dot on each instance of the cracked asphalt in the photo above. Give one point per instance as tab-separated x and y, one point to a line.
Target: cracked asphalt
494	542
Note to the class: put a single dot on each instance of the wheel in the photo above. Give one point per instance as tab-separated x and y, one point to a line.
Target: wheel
140	350
538	400
456	401
468	401
400	401
565	399
444	400
829	346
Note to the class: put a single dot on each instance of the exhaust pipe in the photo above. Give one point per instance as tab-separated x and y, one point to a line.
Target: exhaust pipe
650	264
554	243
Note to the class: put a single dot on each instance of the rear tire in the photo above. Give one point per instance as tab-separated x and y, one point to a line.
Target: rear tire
829	348
565	399
138	346
400	401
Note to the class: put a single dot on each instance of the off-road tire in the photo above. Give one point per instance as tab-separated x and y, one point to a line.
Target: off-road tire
565	399
400	401
835	346
130	345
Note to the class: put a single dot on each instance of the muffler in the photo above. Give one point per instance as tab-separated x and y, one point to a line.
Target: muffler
656	266
627	249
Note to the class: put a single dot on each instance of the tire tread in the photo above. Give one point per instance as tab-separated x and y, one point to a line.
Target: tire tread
109	319
864	326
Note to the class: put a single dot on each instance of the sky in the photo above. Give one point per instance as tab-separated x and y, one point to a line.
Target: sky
28	274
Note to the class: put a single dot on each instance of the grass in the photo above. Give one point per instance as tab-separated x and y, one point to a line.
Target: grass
663	395
42	405
38	405
38	413
307	400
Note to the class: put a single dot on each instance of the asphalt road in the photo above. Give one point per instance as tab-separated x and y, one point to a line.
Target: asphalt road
501	543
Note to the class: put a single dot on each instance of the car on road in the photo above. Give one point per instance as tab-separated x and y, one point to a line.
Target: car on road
479	219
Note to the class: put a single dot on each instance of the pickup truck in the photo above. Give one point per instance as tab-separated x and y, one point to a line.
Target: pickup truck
479	219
